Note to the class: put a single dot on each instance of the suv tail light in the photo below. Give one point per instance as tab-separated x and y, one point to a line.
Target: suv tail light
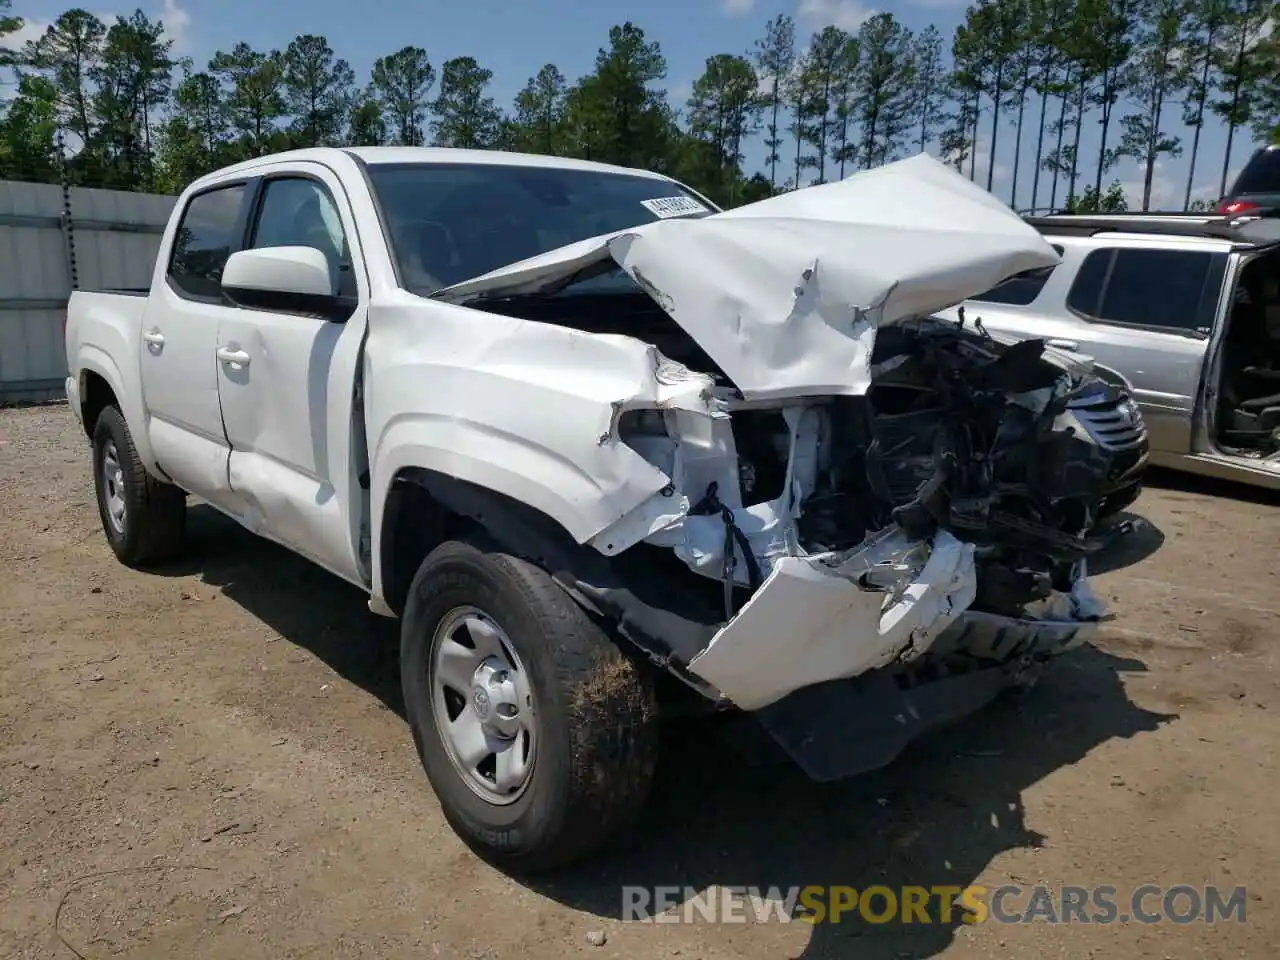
1232	207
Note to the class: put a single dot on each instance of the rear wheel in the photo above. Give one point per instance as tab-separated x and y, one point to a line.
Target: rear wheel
537	734
143	518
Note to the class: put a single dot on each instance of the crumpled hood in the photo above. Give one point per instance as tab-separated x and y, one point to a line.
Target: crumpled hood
786	294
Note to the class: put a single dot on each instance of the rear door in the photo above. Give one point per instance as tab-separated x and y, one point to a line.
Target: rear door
179	340
1147	312
285	378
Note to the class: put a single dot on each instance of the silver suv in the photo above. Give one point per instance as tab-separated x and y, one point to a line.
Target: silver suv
1185	309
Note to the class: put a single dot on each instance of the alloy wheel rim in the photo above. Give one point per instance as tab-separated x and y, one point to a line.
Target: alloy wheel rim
482	702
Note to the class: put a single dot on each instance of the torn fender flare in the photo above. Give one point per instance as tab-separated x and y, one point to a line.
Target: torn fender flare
831	616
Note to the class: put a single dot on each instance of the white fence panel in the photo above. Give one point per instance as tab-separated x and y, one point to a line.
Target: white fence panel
109	240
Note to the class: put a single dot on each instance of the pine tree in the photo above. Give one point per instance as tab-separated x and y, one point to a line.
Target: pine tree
775	57
403	81
1240	69
723	109
985	46
539	116
885	82
929	91
67	54
1201	39
1158	76
1109	40
824	64
253	94
318	89
465	116
614	114
1049	19
800	98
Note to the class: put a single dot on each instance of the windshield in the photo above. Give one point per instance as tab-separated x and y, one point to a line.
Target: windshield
451	222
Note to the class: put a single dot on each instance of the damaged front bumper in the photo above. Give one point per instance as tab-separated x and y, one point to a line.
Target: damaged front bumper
874	666
892	604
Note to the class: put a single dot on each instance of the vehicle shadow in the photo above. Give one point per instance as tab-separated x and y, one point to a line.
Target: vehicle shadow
308	606
937	816
1131	549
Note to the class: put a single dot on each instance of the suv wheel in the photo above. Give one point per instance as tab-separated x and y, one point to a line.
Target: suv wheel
537	734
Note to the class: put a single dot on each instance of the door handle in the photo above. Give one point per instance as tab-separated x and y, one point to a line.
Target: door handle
1063	344
153	338
233	355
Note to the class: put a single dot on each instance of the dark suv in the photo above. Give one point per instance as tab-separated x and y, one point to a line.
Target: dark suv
1258	185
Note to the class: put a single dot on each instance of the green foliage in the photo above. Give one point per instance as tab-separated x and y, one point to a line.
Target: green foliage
614	114
1096	201
318	91
884	88
538	124
1037	72
26	135
465	117
723	110
401	82
1157	76
775	56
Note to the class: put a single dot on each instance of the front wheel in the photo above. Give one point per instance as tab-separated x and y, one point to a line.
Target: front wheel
537	734
143	518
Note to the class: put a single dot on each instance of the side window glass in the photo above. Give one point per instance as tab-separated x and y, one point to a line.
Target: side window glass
203	242
1086	290
296	212
1021	289
1156	288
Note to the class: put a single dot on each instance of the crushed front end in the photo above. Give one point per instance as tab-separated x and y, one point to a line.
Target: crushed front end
894	560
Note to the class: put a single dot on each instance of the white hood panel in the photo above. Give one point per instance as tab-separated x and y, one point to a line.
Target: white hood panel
786	294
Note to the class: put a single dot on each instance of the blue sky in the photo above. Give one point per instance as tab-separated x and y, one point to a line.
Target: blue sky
515	37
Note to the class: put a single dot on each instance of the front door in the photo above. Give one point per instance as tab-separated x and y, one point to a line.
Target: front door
179	341
285	380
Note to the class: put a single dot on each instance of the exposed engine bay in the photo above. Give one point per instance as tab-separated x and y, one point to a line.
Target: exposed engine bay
787	483
996	451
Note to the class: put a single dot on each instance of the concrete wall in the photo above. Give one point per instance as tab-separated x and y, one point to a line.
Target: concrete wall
112	242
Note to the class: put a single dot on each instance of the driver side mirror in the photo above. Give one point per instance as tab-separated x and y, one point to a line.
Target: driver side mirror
284	279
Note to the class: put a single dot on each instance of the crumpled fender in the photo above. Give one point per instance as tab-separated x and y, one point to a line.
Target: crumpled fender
492	401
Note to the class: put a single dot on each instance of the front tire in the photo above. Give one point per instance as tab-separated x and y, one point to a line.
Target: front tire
144	518
537	734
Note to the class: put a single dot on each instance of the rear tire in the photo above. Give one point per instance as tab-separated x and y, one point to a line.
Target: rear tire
576	728
144	518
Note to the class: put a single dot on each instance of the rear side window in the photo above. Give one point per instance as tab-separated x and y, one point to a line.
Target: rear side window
1260	175
1164	289
203	242
1021	289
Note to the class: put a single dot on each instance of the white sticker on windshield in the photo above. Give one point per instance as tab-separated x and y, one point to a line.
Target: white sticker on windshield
664	207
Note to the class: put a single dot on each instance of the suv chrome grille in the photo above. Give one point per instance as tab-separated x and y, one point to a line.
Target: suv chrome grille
1115	424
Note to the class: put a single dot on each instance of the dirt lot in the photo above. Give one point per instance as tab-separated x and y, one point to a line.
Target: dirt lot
226	737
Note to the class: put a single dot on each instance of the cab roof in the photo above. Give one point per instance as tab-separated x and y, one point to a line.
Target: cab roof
376	156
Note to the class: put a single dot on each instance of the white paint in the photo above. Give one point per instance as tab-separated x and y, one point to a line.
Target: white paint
301	270
256	412
786	294
811	621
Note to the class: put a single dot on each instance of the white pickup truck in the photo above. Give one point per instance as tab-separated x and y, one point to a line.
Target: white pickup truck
596	442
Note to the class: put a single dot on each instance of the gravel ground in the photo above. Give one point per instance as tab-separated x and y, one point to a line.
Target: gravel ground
211	762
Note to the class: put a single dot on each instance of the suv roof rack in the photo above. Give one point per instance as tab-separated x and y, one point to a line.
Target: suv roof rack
1257	227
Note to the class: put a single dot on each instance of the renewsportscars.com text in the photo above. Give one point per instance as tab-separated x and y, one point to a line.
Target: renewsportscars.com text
1006	903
